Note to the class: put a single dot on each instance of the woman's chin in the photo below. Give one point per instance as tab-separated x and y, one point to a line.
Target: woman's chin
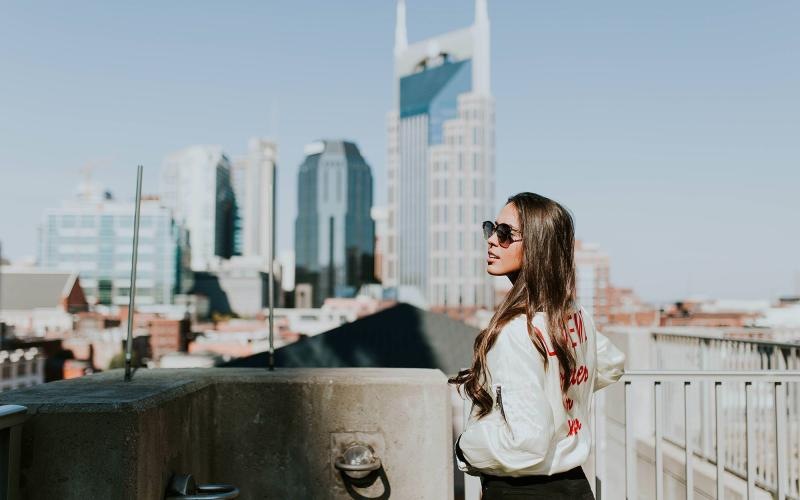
493	270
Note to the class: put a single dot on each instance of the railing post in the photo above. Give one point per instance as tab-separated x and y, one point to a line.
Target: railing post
780	437
630	456
720	441
750	440
688	409
657	392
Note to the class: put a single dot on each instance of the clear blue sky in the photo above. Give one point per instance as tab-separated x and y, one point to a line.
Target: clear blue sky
671	130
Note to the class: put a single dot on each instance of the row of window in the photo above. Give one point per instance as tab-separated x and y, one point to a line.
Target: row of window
443	165
440	216
441	190
459	295
453	269
90	221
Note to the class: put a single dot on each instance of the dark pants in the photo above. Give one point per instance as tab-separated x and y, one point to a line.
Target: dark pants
571	485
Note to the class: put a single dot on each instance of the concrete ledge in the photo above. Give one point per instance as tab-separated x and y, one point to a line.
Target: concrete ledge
272	434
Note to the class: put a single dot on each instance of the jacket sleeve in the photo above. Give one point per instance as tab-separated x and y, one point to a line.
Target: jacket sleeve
516	435
610	362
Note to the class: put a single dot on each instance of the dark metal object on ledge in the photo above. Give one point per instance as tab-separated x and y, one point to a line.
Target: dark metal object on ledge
183	487
11	419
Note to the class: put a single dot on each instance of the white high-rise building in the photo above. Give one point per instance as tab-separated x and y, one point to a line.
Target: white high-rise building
196	186
252	179
441	165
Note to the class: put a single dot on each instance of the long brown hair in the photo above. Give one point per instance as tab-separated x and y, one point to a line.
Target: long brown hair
546	283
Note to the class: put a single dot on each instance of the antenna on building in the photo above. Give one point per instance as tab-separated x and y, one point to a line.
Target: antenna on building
481	79
400	33
132	292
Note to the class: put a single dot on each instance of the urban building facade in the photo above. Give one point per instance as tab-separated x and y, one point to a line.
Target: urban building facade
92	235
334	233
379	217
440	169
592	280
196	187
252	178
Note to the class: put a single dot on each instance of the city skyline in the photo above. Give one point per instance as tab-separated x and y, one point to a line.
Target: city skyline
668	133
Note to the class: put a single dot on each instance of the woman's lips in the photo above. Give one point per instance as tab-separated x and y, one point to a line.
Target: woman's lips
490	256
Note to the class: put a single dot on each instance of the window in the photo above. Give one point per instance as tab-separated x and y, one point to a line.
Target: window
475	161
461	188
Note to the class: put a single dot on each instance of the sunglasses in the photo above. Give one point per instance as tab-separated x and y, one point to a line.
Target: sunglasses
504	233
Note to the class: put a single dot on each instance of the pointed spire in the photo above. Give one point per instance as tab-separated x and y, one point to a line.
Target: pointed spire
481	13
481	70
400	36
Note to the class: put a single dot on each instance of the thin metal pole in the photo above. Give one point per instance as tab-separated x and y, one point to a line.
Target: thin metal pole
271	264
132	292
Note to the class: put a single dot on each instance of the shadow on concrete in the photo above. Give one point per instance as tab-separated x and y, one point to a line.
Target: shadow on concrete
398	337
351	485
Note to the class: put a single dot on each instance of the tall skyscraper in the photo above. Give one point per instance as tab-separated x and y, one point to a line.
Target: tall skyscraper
92	234
252	182
196	186
440	168
334	233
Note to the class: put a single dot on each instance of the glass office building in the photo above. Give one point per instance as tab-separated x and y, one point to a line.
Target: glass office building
93	235
334	232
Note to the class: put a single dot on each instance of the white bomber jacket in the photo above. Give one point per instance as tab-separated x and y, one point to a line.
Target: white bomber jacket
533	428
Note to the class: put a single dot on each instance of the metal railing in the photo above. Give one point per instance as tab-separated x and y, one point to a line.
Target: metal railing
20	368
746	423
720	353
11	419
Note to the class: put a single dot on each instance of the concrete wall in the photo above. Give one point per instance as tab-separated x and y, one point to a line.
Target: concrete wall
272	434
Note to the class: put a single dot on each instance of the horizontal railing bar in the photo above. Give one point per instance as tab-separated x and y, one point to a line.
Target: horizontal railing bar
766	342
721	376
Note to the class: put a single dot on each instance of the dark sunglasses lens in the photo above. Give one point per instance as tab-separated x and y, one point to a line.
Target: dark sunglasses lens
503	234
488	229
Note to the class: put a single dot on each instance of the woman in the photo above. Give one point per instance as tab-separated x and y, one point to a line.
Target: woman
536	365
